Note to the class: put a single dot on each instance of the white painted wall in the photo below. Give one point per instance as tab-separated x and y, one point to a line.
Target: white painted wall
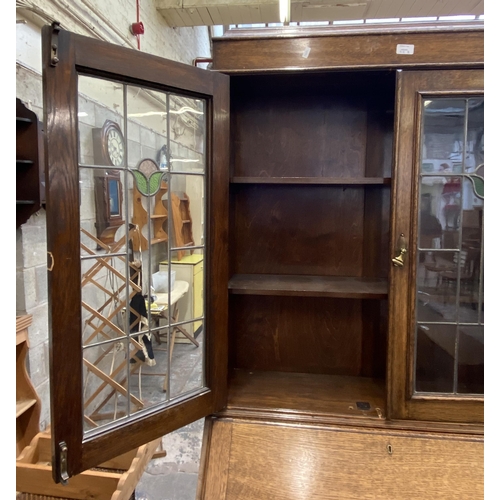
109	21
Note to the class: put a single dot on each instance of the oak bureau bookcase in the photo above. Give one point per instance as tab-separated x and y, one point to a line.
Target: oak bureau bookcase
344	276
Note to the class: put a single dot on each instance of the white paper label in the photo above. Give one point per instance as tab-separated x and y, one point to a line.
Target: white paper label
306	52
402	48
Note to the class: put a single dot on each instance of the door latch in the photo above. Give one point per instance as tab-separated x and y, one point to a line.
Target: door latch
399	259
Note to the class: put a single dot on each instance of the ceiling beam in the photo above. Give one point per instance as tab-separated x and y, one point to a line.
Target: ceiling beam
182	13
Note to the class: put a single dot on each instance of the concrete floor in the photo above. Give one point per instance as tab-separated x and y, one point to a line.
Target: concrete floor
175	476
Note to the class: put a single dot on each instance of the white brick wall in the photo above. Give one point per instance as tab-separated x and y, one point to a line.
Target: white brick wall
109	21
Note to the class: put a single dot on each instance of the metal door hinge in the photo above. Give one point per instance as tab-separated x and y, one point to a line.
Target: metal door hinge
63	463
54	40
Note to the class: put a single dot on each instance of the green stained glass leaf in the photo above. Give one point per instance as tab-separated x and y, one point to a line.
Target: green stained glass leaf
154	182
478	185
141	182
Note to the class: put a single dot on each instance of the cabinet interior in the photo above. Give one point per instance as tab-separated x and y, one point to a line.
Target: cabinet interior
311	163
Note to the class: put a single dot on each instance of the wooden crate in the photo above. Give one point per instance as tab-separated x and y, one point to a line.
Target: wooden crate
115	479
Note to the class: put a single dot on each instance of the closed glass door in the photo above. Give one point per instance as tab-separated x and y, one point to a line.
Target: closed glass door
449	327
437	313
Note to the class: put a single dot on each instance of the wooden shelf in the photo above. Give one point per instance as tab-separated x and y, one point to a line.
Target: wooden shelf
30	191
361	181
309	286
306	393
23	405
158	240
158	217
28	405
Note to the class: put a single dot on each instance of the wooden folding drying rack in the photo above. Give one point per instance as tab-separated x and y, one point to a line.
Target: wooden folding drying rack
115	479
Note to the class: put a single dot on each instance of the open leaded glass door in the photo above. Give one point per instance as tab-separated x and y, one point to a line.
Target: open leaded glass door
437	281
137	176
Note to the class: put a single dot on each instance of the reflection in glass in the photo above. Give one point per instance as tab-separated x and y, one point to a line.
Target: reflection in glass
187	134
449	299
435	358
143	318
471	360
105	385
186	264
99	101
114	196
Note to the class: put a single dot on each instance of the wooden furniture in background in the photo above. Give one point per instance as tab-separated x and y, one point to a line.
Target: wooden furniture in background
159	218
181	220
103	318
109	149
30	182
179	291
108	204
115	479
28	405
182	223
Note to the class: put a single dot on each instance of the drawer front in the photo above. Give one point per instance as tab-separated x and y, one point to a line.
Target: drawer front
257	461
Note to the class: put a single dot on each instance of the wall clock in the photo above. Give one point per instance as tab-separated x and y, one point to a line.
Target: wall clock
109	150
109	145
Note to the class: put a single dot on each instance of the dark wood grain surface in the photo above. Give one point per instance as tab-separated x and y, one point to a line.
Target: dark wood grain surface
308	286
434	48
313	230
63	243
306	393
81	55
298	334
312	180
401	401
310	125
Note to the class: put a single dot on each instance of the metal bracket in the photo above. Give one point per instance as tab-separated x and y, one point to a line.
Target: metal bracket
63	463
54	39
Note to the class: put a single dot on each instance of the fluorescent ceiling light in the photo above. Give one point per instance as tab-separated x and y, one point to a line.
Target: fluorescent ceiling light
184	109
314	23
417	19
358	4
387	20
355	21
457	18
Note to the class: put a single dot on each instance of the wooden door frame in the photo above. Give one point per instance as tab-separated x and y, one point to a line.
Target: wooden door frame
412	86
65	55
